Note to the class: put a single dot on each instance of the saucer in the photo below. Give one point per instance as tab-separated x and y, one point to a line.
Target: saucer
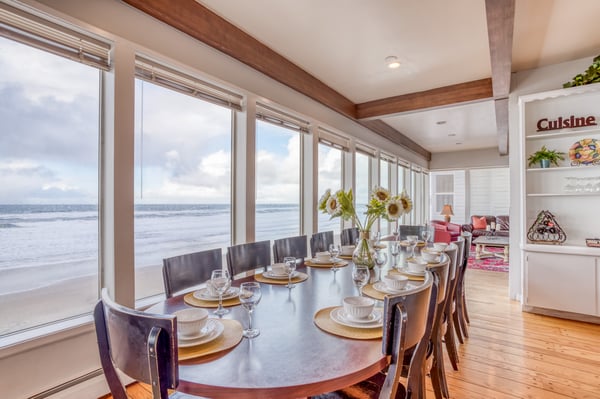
381	287
210	332
204	295
411	273
329	261
374	320
269	274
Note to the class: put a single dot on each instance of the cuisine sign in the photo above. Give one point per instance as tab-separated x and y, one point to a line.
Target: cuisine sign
545	124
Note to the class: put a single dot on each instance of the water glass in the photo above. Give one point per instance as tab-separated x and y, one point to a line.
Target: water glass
334	251
250	295
360	277
426	234
394	251
290	267
380	258
220	281
412	243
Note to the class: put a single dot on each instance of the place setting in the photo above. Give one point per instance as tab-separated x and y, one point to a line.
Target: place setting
346	252
328	259
357	318
199	335
390	284
282	274
218	293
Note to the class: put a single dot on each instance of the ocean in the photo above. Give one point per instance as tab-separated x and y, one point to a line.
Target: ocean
41	245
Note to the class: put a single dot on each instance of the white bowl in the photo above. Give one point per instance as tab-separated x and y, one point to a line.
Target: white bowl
395	281
430	255
440	246
347	249
190	321
278	268
323	256
416	265
358	307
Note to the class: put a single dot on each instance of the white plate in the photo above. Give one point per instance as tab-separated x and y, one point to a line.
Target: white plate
339	316
204	295
269	274
323	262
381	287
214	329
411	273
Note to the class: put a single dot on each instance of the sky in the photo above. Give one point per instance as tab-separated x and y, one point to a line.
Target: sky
49	108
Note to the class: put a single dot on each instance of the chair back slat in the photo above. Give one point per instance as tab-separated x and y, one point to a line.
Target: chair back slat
290	246
188	270
349	236
246	257
319	242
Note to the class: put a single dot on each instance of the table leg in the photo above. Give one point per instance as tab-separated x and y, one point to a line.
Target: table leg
478	251
506	253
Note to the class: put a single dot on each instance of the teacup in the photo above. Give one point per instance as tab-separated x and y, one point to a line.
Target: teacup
440	246
430	255
323	256
395	281
347	249
358	307
416	265
190	321
278	268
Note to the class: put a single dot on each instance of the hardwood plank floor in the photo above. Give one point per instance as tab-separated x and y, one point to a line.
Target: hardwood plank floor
512	354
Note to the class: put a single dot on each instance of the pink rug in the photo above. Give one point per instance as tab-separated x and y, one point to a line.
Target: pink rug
494	264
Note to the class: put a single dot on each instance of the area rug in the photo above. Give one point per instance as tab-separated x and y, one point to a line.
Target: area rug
494	263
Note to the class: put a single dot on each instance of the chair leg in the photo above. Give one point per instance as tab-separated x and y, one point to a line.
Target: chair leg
437	373
461	315
464	306
451	345
457	326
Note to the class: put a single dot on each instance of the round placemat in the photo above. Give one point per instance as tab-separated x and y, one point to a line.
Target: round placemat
348	257
191	300
300	277
370	291
326	265
232	335
324	322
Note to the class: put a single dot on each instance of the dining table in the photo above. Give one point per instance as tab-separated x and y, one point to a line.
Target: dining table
292	357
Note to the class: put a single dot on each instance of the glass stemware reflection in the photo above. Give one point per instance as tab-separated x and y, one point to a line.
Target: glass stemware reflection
220	281
290	267
394	251
412	243
426	234
380	258
360	277
250	295
334	251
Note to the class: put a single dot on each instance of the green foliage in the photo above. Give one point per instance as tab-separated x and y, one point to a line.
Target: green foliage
543	153
591	75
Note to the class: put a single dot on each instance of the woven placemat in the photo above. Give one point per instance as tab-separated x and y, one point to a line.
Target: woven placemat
232	335
347	257
300	277
324	322
419	243
326	265
191	300
370	291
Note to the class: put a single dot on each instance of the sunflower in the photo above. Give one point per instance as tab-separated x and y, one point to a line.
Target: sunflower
323	200
394	209
332	206
381	194
406	202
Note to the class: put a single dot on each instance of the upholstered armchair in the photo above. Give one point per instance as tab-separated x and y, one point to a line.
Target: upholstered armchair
445	231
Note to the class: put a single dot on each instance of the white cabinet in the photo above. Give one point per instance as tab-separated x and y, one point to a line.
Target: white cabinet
561	278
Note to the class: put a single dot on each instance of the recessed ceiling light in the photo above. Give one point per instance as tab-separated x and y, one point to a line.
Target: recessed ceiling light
451	134
392	62
440	122
458	143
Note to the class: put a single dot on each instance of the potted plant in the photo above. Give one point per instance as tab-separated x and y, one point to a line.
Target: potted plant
545	157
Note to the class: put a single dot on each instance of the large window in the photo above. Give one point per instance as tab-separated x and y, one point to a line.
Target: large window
182	179
277	181
489	191
363	183
448	187
49	198
329	177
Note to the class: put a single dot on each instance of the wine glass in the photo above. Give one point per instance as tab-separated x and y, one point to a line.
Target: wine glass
394	251
412	243
396	233
380	258
334	251
360	277
426	234
250	297
221	282
290	267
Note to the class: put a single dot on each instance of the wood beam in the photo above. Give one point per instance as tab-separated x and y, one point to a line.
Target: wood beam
458	93
385	130
501	106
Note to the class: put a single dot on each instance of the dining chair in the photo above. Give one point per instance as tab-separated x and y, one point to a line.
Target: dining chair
141	345
290	246
349	236
456	254
319	242
408	230
184	271
405	324
459	316
244	258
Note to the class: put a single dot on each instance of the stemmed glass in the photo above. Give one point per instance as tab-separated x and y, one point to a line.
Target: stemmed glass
221	282
394	251
426	234
412	243
380	258
290	266
250	297
396	233
360	276
334	251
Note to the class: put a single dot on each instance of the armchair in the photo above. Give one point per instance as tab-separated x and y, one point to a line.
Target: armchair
445	231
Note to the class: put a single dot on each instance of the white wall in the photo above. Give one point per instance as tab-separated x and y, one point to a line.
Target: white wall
486	157
528	82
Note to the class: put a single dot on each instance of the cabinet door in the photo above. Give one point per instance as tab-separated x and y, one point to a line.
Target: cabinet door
561	282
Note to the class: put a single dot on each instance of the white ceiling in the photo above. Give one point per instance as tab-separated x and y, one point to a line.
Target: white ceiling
344	44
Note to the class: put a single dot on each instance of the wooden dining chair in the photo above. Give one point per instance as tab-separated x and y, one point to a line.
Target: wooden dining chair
349	236
459	314
244	258
141	345
184	271
290	246
319	242
452	334
405	324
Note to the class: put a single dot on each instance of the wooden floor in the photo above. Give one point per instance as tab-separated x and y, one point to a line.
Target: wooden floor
512	354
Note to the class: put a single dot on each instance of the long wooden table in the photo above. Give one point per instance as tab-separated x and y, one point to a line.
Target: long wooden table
291	357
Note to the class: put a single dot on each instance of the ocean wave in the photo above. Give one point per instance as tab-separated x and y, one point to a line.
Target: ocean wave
8	225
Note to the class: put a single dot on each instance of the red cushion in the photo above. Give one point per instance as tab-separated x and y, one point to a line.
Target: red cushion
479	223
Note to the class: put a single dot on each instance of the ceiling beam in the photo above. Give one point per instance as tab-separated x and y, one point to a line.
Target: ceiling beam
500	22
383	129
442	96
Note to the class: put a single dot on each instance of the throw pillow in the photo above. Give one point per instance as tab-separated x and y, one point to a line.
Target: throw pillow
479	223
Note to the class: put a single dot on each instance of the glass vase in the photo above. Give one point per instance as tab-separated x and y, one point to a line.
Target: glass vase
363	253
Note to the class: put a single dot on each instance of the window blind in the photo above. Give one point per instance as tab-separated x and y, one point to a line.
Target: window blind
277	117
331	139
173	79
365	149
37	31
